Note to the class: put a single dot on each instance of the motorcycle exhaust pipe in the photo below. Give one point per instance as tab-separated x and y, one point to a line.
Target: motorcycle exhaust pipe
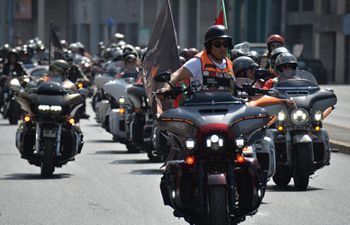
58	140
37	139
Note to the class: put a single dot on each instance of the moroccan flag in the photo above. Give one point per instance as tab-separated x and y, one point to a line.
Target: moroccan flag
162	53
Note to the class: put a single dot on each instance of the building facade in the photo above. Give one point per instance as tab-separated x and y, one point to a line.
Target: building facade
322	26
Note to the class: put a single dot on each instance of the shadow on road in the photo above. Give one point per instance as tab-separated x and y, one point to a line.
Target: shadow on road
33	176
147	172
131	161
111	152
289	188
99	141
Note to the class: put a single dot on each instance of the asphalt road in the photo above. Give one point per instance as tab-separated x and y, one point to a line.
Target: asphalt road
106	185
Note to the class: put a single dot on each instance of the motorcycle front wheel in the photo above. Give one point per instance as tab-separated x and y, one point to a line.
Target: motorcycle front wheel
303	167
218	209
47	161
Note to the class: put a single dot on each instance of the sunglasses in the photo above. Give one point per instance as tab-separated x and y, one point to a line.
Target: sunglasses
130	62
220	44
287	66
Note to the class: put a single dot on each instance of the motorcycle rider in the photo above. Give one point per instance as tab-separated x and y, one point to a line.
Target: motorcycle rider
273	41
284	62
210	65
13	66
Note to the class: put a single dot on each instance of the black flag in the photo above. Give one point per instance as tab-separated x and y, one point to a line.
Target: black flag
162	53
56	49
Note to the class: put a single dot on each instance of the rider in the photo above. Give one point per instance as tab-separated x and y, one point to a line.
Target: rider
13	66
273	41
284	62
210	67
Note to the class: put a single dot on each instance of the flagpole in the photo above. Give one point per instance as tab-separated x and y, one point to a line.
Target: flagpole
50	39
224	11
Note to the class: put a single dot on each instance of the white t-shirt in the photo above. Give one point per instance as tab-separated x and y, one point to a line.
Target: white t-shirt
194	65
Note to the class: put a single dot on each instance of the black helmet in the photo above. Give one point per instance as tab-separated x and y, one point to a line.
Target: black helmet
255	56
286	59
216	32
12	52
276	53
235	53
59	66
243	63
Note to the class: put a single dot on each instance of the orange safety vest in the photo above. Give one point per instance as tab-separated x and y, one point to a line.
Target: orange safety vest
214	77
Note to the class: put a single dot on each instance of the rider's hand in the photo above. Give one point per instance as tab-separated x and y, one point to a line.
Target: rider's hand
290	103
163	92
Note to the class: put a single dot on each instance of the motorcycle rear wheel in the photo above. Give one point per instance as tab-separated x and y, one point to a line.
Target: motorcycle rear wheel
218	209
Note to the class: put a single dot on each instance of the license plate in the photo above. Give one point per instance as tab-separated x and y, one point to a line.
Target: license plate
49	133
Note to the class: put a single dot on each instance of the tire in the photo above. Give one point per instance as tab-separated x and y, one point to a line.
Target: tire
218	209
282	177
132	148
303	166
48	159
153	156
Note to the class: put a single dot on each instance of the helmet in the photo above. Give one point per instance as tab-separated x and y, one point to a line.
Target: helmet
130	55
286	59
192	52
255	56
12	52
275	38
276	52
235	53
243	63
59	66
215	32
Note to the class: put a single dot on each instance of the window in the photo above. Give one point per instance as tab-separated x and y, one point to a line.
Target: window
308	5
292	5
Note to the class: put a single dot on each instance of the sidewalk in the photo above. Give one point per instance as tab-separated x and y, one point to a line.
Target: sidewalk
339	137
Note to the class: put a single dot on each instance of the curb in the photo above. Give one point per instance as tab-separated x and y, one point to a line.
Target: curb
340	146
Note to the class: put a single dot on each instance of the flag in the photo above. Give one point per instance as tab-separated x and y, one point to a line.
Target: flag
221	18
162	52
56	49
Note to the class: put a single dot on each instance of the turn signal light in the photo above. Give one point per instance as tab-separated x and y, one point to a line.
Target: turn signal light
71	121
317	128
80	85
280	128
189	160
26	118
121	110
240	159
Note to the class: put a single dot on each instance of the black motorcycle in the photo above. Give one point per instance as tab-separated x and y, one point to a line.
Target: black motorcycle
302	145
49	136
11	110
209	177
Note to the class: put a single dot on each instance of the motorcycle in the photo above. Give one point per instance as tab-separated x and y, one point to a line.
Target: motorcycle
302	145
48	137
11	109
212	175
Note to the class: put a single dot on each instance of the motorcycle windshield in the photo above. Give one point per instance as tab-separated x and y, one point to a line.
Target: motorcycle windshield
212	98
296	79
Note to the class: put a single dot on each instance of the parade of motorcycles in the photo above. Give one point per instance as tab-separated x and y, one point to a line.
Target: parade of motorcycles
218	132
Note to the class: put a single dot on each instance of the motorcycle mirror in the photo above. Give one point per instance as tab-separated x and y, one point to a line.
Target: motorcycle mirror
15	85
163	77
262	74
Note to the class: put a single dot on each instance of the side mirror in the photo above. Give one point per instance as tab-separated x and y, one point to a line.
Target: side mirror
15	85
163	77
262	74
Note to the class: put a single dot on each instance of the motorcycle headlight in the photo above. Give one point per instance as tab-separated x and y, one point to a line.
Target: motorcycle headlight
43	107
215	142
56	108
240	142
121	100
318	116
299	116
281	116
190	143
